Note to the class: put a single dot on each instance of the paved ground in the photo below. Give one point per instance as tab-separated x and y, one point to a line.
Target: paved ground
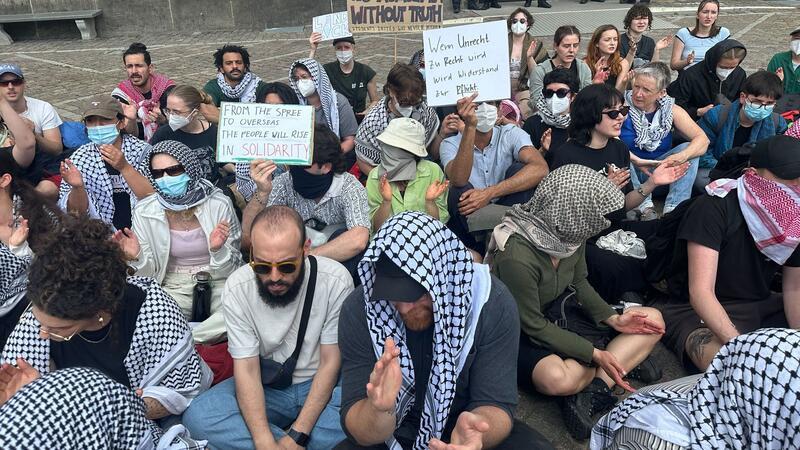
67	72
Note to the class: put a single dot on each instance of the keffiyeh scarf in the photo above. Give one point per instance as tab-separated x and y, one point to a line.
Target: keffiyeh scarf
770	209
159	84
544	111
650	133
327	96
434	257
245	91
199	189
568	207
368	148
161	359
13	277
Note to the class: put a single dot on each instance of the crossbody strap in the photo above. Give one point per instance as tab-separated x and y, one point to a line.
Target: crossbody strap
312	283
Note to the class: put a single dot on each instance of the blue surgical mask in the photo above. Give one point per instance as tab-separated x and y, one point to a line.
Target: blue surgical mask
173	186
103	134
757	114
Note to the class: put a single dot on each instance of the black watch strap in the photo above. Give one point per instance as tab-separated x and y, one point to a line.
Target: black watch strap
299	438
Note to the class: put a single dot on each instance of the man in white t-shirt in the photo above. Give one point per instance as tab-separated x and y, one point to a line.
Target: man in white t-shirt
43	119
263	304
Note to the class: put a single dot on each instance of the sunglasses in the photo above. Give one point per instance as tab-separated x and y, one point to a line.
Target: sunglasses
284	267
14	82
561	93
614	113
171	171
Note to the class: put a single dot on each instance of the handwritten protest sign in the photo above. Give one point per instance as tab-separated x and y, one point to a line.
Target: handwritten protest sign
281	133
396	16
466	59
332	26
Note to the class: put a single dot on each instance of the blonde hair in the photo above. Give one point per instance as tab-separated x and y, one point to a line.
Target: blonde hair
191	96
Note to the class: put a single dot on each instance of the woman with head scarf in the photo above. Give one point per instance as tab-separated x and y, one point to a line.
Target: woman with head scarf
538	253
747	399
186	231
404	181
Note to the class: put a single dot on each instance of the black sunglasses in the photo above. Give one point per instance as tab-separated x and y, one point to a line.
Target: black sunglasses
14	82
614	113
171	171
561	93
284	267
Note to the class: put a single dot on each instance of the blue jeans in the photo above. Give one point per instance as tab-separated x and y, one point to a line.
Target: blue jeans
215	416
679	191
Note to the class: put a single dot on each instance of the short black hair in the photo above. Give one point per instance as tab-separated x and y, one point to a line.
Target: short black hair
636	11
282	90
137	48
229	48
327	148
586	110
763	84
563	76
276	217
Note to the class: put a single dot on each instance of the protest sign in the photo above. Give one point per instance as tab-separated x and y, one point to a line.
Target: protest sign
332	26
376	16
281	133
466	59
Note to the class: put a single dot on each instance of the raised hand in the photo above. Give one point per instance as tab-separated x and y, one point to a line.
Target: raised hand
546	140
531	52
113	156
608	362
315	39
12	379
667	174
451	124
664	42
219	236
690	58
386	379
466	110
71	174
386	188
261	174
128	242
20	234
467	434
436	189
779	73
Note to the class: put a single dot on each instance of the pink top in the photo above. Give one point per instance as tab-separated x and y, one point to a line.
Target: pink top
188	249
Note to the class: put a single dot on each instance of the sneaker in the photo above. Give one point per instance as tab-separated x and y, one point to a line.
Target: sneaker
648	214
646	372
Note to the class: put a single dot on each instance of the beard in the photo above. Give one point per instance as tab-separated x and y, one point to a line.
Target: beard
281	300
418	318
234	75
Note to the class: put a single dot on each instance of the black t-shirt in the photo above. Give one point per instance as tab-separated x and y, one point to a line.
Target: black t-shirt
204	144
110	344
535	127
122	200
743	272
489	376
352	85
741	136
645	49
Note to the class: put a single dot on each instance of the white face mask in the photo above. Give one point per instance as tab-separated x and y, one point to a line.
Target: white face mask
487	117
344	56
723	73
404	111
518	28
795	46
177	122
558	105
306	87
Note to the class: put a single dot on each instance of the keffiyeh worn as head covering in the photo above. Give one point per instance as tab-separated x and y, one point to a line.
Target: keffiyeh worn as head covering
245	91
199	189
649	134
434	257
568	208
327	96
770	209
368	148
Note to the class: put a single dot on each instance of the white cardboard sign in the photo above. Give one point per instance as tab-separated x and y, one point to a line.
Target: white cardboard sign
332	26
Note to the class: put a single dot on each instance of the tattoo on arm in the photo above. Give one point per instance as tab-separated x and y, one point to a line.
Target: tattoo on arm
697	341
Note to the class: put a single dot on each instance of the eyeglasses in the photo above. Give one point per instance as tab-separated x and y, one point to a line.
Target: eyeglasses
14	82
519	20
171	171
561	93
169	112
614	113
760	105
301	77
50	334
284	267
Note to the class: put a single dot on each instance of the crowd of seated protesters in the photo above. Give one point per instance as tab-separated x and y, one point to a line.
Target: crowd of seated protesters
371	298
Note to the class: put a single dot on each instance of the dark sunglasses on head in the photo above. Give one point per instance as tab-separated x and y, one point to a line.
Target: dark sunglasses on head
284	267
561	93
14	82
614	113
171	171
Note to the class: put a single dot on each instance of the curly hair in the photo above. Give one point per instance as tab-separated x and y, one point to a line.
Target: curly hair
79	271
593	52
638	11
229	48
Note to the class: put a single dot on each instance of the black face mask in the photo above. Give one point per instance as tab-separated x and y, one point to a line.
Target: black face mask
308	185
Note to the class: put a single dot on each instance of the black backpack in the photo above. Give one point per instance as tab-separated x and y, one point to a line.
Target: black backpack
732	163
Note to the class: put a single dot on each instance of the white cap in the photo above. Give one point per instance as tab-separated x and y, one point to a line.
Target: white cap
405	133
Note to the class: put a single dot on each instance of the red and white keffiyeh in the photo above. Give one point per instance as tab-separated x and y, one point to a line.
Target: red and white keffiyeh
159	84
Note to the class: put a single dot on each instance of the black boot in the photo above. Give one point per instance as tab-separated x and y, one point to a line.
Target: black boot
494	4
544	4
528	3
577	410
646	372
473	4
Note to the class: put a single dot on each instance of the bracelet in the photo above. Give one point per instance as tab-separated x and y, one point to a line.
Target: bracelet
258	199
640	190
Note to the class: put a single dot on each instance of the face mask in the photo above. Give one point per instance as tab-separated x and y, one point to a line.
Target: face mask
404	111
487	117
177	122
723	73
309	185
558	105
422	72
795	46
173	186
518	28
757	114
345	56
306	87
103	134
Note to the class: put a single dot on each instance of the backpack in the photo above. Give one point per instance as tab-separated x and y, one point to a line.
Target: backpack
732	163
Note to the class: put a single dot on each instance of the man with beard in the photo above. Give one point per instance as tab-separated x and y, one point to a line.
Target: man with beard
429	346
234	81
264	303
143	93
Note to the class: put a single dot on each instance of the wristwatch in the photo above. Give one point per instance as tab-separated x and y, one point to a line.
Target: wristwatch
299	438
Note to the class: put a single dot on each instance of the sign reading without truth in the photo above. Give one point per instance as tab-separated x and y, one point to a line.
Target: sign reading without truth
281	133
394	16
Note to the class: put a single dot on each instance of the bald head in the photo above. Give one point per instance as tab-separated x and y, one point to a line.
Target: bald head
279	220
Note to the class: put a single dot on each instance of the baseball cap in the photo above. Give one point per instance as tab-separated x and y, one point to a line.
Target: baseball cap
405	133
779	154
394	285
797	31
103	106
349	39
11	68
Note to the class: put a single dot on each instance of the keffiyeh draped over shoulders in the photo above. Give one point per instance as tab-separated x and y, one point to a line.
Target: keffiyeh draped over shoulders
199	189
434	257
327	96
650	133
368	148
13	277
161	359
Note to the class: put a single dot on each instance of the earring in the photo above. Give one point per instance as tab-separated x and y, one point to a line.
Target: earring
100	319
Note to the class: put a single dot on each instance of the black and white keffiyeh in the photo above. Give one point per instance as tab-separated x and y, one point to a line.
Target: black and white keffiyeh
368	148
96	179
434	257
245	91
199	188
13	277
554	120
161	359
327	96
650	133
